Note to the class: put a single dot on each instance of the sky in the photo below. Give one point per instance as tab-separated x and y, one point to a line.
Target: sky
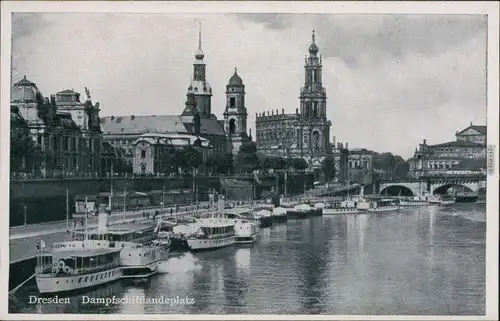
391	80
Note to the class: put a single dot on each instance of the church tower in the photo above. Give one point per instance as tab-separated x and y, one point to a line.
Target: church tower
199	86
316	131
235	114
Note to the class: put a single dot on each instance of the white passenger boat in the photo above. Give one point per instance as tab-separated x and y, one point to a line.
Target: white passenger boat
139	255
348	206
384	205
71	269
213	233
447	200
442	200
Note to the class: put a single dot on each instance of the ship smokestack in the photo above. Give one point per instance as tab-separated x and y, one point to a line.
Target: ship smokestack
102	224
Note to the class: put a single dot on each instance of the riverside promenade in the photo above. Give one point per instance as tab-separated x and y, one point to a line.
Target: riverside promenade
23	239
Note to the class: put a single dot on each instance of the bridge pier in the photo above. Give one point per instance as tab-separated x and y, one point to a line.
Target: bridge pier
433	184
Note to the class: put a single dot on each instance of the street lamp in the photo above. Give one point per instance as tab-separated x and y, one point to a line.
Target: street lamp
25	216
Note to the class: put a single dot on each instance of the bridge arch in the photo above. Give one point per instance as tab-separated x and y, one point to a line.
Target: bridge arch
396	189
443	188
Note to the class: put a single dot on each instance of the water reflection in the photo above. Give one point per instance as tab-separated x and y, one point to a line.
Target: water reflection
423	260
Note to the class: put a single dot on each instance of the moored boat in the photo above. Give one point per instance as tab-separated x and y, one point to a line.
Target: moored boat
265	218
213	233
300	211
139	255
384	205
279	215
340	210
246	231
64	270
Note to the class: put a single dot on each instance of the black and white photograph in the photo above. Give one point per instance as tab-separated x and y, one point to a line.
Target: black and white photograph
274	160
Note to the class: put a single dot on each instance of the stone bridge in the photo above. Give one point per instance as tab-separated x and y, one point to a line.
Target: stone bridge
432	185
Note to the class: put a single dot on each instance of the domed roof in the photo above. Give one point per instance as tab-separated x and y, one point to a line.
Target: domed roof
24	90
235	79
199	55
313	49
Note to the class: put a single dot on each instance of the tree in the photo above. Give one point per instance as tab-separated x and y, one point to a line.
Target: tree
299	164
395	165
191	157
23	152
247	160
328	168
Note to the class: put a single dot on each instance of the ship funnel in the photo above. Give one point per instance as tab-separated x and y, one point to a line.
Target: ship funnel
221	203
102	224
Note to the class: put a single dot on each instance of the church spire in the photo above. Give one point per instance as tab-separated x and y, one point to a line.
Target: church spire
199	53
313	48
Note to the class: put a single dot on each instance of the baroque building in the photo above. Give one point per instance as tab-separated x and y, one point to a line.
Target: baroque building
305	134
235	114
196	123
65	132
465	155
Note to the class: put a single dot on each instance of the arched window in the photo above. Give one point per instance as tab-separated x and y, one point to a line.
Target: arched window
316	140
143	153
315	110
232	126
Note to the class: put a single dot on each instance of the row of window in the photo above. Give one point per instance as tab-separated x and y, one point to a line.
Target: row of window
68	143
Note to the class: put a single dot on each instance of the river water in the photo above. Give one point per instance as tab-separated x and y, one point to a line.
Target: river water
418	261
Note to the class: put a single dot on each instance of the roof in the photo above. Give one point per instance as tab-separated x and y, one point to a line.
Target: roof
142	124
479	128
208	126
455	143
174	139
83	197
235	79
86	252
120	229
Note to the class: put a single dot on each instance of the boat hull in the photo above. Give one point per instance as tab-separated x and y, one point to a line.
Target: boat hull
414	203
340	211
140	271
199	244
293	214
266	221
280	218
384	209
247	239
58	284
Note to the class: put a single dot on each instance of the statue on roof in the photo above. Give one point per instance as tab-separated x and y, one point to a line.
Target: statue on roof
87	93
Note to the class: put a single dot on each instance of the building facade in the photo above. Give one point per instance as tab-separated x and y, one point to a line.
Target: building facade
305	134
196	120
465	155
235	114
340	154
153	151
65	131
360	166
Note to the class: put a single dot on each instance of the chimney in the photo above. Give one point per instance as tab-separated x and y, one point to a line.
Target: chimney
346	145
333	140
425	141
277	113
296	111
282	111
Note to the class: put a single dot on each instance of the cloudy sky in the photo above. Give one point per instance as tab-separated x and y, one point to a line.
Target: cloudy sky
391	80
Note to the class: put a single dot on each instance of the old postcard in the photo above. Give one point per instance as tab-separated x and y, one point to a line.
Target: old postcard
253	160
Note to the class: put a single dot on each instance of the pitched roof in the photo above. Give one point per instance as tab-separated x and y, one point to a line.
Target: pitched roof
479	128
458	144
142	124
208	126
